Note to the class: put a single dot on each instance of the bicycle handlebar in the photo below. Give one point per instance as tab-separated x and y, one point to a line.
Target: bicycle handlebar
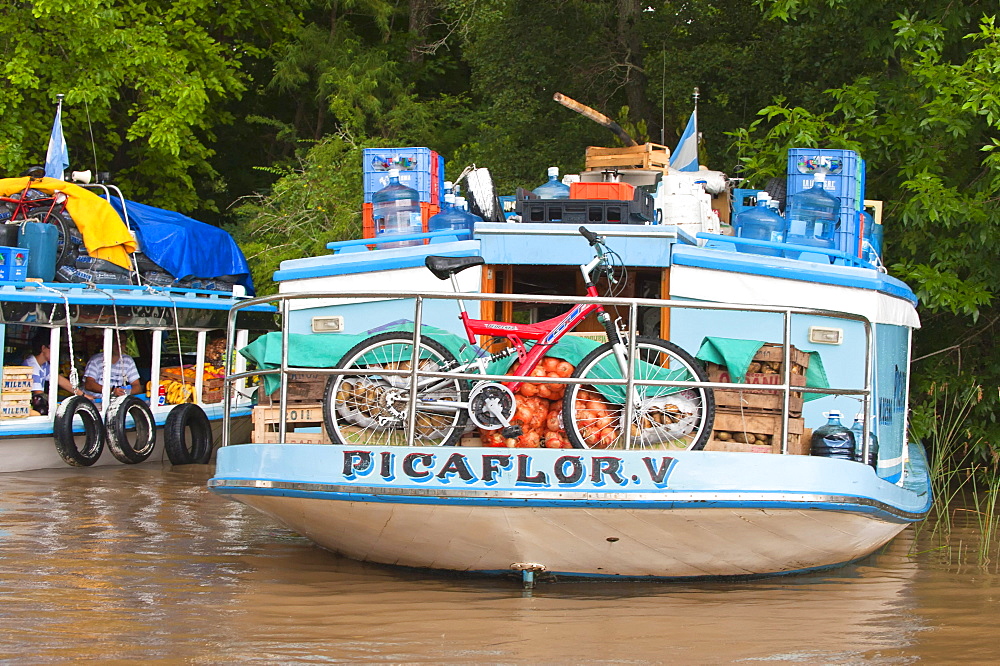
591	237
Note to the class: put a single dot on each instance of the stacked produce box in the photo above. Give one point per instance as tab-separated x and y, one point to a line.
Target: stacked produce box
15	401
750	420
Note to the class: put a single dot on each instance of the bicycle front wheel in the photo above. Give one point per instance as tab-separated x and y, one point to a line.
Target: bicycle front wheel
663	417
367	407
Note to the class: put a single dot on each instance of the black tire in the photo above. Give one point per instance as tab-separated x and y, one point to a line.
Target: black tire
93	428
369	408
187	435
143	429
666	418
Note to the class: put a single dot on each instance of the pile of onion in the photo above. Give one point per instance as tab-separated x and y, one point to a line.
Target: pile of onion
538	410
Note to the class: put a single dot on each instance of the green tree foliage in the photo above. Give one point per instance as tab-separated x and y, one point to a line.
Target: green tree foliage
148	79
927	123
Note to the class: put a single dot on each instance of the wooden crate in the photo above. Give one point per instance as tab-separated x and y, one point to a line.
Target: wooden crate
267	426
15	405
17	378
303	388
760	426
766	368
644	156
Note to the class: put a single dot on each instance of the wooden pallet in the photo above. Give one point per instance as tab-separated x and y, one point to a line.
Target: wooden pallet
645	156
301	422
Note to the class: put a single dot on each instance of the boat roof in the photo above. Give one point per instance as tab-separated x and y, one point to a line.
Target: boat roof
119	295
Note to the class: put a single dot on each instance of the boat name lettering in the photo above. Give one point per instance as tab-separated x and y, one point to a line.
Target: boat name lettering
491	469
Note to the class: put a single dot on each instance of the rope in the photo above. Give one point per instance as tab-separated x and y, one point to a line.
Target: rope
74	375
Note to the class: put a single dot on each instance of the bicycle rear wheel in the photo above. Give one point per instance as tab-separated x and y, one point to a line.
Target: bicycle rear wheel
367	407
663	417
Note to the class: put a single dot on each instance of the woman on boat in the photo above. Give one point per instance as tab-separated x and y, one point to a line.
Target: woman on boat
124	374
38	361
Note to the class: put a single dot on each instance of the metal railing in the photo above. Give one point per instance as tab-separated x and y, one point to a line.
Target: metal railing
283	302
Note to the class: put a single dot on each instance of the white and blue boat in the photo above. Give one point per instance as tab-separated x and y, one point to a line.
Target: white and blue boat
90	305
756	499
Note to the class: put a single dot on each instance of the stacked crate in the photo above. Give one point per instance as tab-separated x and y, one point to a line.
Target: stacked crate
303	413
303	424
211	390
15	401
749	420
419	168
845	180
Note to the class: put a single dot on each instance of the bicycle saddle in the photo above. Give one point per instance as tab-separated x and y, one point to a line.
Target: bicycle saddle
445	267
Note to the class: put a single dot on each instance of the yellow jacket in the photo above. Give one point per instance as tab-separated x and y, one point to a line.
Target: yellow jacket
104	233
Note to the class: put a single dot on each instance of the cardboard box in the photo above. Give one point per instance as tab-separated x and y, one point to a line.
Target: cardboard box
303	425
755	433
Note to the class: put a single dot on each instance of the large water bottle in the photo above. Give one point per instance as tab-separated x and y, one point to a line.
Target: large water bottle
396	210
813	215
553	189
873	238
470	218
833	440
760	223
858	430
450	217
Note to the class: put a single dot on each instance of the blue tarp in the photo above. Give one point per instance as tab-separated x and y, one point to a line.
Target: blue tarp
184	247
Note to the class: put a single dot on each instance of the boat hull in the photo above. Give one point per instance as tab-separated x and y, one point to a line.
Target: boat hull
687	515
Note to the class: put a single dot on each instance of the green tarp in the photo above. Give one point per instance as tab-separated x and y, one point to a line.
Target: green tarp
737	354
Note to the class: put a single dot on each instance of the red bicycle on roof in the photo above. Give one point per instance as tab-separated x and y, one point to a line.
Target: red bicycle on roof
34	205
607	402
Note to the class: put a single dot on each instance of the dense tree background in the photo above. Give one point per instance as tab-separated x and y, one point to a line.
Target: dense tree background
254	114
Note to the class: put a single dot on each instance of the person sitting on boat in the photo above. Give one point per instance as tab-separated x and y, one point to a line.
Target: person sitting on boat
40	371
124	374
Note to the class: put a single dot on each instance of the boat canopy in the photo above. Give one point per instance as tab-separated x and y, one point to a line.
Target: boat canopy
185	247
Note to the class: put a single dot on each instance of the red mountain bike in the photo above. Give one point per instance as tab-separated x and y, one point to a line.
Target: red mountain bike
376	401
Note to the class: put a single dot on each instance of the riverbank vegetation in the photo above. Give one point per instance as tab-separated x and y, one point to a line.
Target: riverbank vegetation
254	114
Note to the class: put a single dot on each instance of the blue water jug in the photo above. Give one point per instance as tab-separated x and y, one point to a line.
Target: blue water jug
833	440
470	218
42	240
760	223
858	430
552	189
813	216
395	211
873	238
450	217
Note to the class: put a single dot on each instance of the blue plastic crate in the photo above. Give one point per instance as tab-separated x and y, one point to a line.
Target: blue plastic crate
419	168
13	264
845	180
743	199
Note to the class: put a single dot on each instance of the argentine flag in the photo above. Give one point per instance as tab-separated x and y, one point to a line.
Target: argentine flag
685	157
57	157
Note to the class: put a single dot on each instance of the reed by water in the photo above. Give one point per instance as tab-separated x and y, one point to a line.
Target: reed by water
964	471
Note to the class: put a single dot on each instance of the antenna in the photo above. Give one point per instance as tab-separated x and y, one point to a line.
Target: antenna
696	96
90	127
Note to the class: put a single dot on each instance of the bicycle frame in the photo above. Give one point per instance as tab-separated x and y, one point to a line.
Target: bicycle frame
545	333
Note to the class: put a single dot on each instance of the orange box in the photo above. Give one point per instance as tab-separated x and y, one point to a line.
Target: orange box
610	191
427	211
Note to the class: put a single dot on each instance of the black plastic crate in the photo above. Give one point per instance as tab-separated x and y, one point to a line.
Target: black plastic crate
639	210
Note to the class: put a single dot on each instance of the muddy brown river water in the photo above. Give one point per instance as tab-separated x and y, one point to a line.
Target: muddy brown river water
143	564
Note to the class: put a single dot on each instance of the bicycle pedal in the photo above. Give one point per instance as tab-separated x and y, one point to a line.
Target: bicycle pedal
512	432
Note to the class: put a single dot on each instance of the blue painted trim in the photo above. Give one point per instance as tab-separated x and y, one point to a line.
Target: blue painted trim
564	503
787	247
370	265
123	295
791	269
350	245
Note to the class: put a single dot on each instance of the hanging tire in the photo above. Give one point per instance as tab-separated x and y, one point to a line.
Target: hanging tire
143	432
93	429
663	417
187	435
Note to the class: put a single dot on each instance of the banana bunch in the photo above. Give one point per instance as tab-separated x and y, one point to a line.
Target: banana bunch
178	392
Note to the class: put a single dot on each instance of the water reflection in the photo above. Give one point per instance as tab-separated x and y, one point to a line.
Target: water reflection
142	563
